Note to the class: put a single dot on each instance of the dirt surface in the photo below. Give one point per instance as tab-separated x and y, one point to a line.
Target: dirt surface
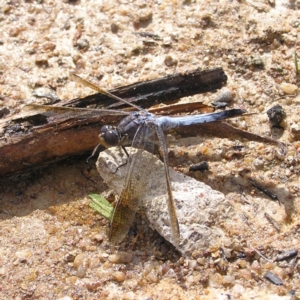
53	246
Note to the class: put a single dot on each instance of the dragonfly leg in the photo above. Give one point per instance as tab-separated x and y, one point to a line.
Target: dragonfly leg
125	163
94	152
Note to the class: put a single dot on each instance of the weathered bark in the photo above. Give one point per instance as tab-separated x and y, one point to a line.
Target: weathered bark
165	89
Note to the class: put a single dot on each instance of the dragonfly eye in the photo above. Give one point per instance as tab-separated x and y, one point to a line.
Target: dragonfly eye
109	135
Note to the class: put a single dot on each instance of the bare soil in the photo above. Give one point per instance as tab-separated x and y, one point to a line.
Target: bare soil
53	246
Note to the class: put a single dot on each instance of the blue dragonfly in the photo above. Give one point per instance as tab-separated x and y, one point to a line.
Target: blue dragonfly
144	131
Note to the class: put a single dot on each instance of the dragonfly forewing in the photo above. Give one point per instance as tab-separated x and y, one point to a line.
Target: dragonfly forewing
174	225
134	187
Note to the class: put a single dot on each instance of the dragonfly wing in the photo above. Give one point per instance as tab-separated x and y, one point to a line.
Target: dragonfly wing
134	186
171	205
72	111
123	216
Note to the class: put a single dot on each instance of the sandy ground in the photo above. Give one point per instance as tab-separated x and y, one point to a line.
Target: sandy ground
53	246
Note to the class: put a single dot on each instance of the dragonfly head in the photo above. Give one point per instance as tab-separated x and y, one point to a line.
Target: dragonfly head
109	136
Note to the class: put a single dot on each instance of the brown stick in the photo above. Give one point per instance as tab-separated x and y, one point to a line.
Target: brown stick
165	89
41	136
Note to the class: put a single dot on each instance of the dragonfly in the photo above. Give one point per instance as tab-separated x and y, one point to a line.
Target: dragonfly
144	131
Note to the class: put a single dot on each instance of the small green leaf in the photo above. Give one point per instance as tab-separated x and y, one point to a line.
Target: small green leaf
101	205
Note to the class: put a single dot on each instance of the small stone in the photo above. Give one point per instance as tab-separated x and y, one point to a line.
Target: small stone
223	98
170	61
228	279
119	276
165	268
245	274
114	258
13	32
258	162
42	61
295	131
82	44
227	242
79	61
6	8
273	278
201	261
288	88
256	62
31	21
3	111
48	46
151	277
80	264
92	285
276	114
238	290
120	258
23	255
167	41
216	280
2	271
201	166
67	25
256	267
143	16
44	92
114	27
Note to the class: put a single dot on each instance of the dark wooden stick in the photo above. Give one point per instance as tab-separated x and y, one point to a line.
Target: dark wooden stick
165	89
48	134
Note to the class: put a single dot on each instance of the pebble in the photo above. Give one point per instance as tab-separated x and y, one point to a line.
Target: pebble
120	258
273	278
23	255
258	162
82	44
44	92
288	88
114	27
201	166
42	61
48	46
223	98
256	266
143	16
6	8
13	32
276	114
81	264
170	61
228	279
295	131
3	111
216	280
118	276
238	290
227	242
2	271
151	277
201	261
93	285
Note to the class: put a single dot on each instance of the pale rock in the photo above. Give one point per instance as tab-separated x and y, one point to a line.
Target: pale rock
197	204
